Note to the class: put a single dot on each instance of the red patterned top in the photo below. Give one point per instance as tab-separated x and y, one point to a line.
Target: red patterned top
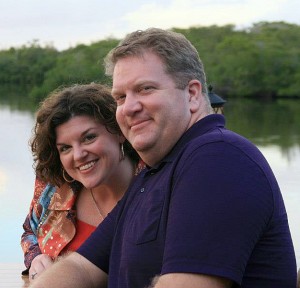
83	231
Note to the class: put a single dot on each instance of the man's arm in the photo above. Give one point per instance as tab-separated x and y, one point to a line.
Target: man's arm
73	271
189	280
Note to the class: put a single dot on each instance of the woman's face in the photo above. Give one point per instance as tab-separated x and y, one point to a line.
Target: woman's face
88	152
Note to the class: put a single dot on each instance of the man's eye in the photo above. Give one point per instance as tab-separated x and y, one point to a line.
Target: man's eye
146	89
120	99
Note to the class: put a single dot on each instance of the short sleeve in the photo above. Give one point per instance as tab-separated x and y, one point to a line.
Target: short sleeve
221	202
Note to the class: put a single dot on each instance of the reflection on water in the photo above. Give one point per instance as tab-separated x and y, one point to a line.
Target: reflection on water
274	127
271	123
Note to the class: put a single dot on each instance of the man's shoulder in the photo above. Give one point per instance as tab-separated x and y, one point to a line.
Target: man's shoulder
224	144
219	136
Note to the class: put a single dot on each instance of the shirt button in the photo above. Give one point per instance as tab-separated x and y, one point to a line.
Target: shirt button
142	190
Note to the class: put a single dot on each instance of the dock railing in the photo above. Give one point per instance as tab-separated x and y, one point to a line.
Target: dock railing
10	276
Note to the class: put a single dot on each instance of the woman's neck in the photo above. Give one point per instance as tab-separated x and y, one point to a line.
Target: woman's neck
118	183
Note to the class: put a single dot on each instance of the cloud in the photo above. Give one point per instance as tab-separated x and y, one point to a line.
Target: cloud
187	13
66	23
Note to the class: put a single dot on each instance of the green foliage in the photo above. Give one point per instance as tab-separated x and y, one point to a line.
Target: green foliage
26	65
82	64
262	61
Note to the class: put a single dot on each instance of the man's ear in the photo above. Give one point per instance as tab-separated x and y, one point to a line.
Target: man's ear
195	95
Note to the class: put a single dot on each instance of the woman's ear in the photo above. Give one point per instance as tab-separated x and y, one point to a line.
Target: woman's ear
121	139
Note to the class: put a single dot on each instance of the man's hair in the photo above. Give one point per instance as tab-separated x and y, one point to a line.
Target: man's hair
93	100
180	57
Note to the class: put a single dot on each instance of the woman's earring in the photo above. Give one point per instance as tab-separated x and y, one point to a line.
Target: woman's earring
70	180
122	152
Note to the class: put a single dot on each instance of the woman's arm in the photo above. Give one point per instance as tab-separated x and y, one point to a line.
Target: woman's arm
29	244
29	241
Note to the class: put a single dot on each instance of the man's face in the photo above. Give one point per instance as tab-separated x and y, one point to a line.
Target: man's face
151	112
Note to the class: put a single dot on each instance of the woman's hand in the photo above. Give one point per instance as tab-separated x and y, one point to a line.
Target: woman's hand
38	265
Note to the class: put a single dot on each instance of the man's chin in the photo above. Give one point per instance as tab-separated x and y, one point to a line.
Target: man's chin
140	147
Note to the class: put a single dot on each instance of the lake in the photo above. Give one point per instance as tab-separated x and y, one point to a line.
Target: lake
273	126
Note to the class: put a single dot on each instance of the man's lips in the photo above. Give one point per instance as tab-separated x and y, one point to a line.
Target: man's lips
138	124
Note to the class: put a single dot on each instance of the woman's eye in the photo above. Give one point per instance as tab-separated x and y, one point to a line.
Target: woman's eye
89	137
63	149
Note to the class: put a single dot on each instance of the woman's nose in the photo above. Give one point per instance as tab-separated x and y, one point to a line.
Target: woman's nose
79	153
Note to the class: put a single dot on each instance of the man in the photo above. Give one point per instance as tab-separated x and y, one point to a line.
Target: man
207	211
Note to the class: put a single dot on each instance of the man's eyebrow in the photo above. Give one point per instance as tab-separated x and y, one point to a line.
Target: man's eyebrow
115	92
120	91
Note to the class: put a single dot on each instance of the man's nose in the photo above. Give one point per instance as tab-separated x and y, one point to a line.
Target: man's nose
131	104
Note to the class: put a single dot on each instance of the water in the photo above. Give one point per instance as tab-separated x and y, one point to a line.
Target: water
16	180
274	127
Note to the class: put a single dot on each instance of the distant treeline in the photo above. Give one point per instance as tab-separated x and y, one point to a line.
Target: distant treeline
262	61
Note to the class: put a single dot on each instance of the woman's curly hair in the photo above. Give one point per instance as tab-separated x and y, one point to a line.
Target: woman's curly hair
92	100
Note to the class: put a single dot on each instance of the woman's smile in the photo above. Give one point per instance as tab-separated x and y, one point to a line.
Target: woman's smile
87	166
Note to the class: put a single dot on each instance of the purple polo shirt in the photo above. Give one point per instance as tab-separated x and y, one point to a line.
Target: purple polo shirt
212	206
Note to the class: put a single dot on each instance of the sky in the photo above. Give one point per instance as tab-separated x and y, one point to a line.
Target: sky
67	23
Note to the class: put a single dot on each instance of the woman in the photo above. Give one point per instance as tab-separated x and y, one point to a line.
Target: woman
80	152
